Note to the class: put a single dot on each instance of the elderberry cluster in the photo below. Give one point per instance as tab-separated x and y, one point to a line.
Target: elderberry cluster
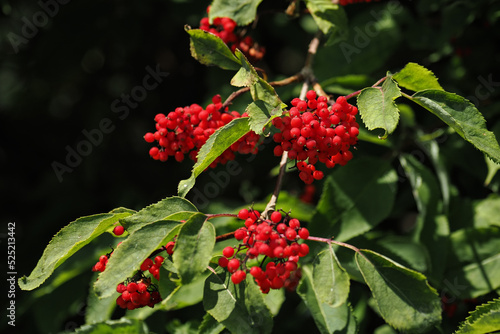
225	28
273	243
185	130
313	131
137	292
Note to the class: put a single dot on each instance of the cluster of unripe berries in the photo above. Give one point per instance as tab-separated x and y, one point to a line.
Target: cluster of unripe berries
137	292
225	28
184	131
273	243
315	131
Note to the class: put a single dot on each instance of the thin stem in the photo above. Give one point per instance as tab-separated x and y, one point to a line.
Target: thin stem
271	206
356	93
216	215
225	236
330	241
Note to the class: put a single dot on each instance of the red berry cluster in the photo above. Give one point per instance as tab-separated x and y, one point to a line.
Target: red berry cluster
185	130
275	239
101	264
225	28
313	131
348	2
137	292
153	266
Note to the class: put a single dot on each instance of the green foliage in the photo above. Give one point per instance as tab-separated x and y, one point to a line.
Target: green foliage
403	296
242	11
330	18
484	319
416	77
115	326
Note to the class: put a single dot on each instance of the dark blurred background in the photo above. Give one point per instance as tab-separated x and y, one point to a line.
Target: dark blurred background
63	65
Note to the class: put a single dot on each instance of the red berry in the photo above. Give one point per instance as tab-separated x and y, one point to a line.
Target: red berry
276	217
243	214
118	230
159	260
233	265
149	137
238	276
228	252
223	261
146	264
303	233
132	287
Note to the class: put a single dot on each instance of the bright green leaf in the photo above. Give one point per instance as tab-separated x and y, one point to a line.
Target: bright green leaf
246	75
129	255
463	117
260	114
330	18
67	242
416	77
403	296
240	308
241	11
484	319
115	326
171	208
377	107
193	247
210	50
355	199
486	211
330	280
328	319
216	144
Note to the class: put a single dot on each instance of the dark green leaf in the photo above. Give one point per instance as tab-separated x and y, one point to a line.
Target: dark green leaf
115	326
409	251
210	50
240	308
193	247
328	319
216	144
404	298
484	319
130	254
67	242
330	280
377	107
171	208
99	309
210	326
463	117
355	198
474	262
242	11
330	18
416	77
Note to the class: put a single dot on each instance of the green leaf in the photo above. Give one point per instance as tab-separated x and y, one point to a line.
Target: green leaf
474	262
461	115
431	230
115	326
484	319
355	199
328	319
330	18
486	211
410	252
377	107
241	11
216	144
246	75
403	296
330	280
416	77
210	326
67	242
193	247
130	254
240	308
261	114
99	309
210	50
170	208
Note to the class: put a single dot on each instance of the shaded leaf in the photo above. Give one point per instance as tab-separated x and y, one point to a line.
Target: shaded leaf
328	319
210	326
330	18
403	297
240	308
193	247
67	242
115	326
461	115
